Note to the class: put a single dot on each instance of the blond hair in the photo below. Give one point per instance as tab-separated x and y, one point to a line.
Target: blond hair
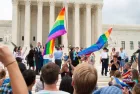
84	79
136	89
117	74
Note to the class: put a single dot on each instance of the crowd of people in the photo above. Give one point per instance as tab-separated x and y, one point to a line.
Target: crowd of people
78	73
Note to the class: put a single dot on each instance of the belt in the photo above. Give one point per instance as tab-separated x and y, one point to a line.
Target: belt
57	59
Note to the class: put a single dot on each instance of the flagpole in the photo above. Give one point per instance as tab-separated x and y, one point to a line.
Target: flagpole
66	24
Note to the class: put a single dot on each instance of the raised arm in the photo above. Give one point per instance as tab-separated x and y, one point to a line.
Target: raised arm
137	51
17	81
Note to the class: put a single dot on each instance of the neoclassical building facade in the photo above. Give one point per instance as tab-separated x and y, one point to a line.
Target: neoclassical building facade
33	19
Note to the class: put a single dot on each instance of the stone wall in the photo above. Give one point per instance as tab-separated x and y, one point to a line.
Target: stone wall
126	33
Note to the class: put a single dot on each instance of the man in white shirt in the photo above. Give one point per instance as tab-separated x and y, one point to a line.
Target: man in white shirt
49	75
123	56
104	61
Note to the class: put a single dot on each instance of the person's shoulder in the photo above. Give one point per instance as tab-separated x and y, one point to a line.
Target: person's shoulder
63	92
43	92
51	92
57	92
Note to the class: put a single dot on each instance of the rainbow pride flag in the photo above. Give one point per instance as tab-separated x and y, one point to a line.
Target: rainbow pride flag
98	45
57	30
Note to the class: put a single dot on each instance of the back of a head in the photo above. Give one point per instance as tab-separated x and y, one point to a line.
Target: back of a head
29	77
50	73
84	79
65	84
135	74
136	89
129	65
117	74
21	66
19	59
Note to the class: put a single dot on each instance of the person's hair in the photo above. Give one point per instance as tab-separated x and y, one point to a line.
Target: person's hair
65	84
15	49
117	74
21	66
29	77
129	64
139	79
19	48
19	59
115	56
65	65
71	49
135	74
136	89
2	73
85	57
42	81
57	48
121	48
113	49
50	73
77	47
84	79
104	48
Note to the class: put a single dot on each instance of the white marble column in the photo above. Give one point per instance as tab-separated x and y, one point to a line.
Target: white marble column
98	20
52	14
65	36
88	25
77	26
27	23
93	33
15	22
39	21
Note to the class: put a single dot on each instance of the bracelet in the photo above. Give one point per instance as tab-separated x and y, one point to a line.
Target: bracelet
10	63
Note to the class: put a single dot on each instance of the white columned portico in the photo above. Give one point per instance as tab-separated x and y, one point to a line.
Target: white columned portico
99	20
27	23
52	14
15	22
39	21
88	25
77	26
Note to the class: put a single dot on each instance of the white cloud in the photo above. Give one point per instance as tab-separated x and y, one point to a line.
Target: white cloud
121	12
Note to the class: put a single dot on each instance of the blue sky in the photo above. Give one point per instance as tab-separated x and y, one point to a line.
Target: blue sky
114	11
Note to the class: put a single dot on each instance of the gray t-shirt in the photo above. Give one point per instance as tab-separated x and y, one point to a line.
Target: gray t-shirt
51	92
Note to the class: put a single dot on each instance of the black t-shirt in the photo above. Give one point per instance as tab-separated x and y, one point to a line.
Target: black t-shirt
113	67
119	58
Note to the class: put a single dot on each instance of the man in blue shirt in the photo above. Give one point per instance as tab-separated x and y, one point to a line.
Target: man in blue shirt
58	57
122	54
